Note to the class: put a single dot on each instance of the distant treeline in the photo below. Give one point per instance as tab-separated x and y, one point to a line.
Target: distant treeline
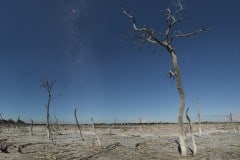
10	121
134	123
21	122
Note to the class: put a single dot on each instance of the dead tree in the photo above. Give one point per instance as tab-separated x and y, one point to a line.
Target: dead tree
231	122
110	129
31	130
199	117
49	87
94	129
56	126
191	131
78	125
164	39
140	124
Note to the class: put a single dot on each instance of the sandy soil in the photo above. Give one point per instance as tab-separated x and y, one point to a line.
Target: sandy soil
157	141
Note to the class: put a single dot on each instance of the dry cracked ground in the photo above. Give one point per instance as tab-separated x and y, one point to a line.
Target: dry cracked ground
128	142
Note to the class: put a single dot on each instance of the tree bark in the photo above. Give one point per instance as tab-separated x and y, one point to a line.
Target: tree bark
48	117
182	101
191	131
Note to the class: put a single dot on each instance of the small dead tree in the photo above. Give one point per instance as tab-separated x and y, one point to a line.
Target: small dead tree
191	131
31	130
110	129
49	87
165	39
199	117
78	125
231	122
95	132
140	124
55	128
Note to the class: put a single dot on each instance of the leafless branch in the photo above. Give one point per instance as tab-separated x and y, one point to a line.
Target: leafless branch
187	34
47	85
132	17
150	36
170	19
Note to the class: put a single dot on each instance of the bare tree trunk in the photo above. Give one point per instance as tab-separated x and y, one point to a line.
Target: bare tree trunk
48	121
193	138
31	131
182	102
110	129
231	122
94	129
140	124
79	127
48	86
199	118
55	127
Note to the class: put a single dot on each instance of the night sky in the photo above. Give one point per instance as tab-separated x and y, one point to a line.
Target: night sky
83	45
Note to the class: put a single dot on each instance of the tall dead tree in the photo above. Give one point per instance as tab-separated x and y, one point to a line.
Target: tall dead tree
164	39
49	87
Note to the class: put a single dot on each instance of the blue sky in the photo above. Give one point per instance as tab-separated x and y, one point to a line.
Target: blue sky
82	46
